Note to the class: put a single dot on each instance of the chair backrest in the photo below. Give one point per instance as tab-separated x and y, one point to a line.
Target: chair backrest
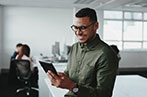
116	50
23	70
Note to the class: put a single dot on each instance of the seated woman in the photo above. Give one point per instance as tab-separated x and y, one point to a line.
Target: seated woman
25	54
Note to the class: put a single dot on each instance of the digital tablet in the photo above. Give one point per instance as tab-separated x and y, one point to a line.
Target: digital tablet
48	66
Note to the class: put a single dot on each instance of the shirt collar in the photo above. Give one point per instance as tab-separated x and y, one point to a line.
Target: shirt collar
91	44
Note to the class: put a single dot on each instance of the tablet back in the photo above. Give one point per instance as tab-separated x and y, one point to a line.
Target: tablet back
48	66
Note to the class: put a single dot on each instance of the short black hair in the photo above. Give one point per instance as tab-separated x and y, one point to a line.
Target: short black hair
19	45
87	12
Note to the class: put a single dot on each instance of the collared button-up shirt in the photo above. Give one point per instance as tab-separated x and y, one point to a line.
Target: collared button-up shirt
93	66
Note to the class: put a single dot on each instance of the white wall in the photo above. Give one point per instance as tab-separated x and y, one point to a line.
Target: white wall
37	27
1	18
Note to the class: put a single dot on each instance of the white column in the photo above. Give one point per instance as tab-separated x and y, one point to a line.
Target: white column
100	19
1	37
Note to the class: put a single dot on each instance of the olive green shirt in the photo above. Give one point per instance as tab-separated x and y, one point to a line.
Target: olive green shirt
93	66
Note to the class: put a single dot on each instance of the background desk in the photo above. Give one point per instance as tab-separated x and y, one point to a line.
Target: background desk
45	87
130	86
125	85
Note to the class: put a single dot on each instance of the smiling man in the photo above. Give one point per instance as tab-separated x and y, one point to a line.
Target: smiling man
92	64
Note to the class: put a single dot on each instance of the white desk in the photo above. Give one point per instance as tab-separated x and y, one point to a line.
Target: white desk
130	86
125	85
57	92
45	87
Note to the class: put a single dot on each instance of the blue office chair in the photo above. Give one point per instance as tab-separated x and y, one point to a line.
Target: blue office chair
23	73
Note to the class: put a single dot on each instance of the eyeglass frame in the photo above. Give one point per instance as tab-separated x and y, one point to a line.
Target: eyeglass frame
81	28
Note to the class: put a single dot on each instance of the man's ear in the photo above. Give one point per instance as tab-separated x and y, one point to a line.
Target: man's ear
96	26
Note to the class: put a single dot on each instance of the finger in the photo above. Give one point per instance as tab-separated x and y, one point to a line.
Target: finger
62	77
49	76
50	73
53	75
52	80
61	74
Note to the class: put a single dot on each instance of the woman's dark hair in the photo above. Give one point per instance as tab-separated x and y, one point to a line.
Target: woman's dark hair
87	12
26	50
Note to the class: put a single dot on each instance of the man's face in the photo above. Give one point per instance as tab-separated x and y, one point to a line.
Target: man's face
89	33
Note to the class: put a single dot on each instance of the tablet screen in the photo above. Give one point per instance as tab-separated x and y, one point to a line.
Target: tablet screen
48	66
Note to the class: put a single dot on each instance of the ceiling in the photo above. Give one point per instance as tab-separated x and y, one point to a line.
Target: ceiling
136	5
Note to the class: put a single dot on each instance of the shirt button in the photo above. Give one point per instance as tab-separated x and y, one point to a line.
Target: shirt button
80	62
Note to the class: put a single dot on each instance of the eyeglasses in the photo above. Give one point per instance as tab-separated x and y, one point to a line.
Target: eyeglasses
81	28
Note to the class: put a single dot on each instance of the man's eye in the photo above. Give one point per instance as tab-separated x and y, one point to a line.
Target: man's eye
76	27
83	27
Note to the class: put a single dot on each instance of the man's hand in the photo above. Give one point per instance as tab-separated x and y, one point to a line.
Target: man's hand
61	81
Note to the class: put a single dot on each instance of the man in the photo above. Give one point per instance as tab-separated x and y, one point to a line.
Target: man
92	65
18	48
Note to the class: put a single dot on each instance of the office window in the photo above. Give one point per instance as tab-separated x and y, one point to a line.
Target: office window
132	45
113	14
145	35
110	33
128	15
128	30
118	43
132	31
145	45
137	16
133	15
145	31
145	16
